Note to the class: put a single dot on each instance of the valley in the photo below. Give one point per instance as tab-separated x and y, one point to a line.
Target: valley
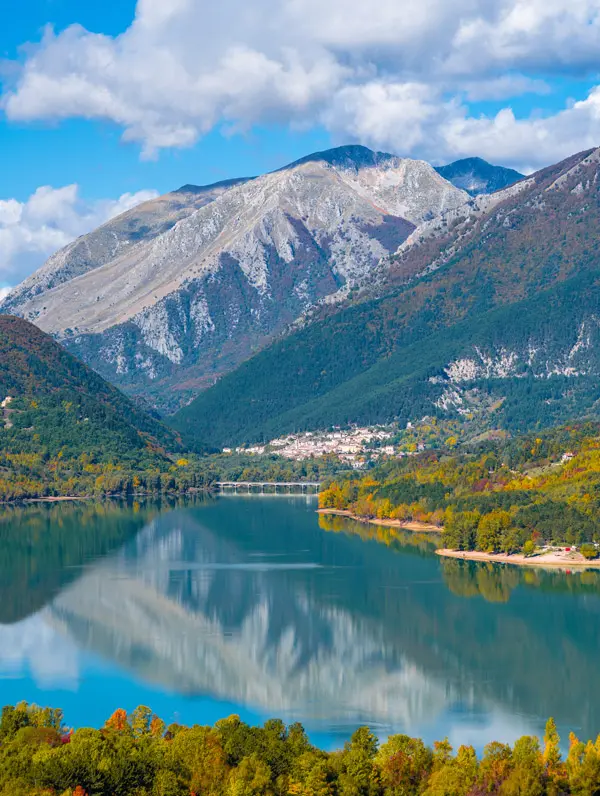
300	398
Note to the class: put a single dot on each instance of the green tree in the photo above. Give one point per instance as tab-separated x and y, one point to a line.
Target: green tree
251	778
405	764
456	776
555	769
359	775
140	721
491	530
589	551
527	775
529	547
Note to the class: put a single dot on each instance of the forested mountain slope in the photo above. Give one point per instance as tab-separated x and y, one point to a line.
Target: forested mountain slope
502	301
59	418
160	308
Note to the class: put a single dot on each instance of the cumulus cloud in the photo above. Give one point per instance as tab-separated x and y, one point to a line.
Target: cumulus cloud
397	73
50	218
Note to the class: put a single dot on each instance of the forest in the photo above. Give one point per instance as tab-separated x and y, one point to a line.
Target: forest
502	496
64	431
139	755
37	474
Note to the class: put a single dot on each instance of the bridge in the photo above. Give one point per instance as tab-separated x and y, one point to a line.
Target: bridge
262	485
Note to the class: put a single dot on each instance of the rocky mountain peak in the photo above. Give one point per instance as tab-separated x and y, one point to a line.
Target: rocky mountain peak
476	176
182	288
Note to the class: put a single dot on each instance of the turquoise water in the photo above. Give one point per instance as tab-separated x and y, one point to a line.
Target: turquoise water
257	606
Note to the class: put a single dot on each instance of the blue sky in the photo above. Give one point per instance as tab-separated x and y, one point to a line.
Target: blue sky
92	154
122	99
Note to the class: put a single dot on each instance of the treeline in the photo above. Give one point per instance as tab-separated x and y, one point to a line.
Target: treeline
51	447
37	474
267	467
500	497
139	755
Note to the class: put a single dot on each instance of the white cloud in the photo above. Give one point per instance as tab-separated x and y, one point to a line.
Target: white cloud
33	647
185	66
31	231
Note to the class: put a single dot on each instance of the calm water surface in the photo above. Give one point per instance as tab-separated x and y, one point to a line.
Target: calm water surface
258	606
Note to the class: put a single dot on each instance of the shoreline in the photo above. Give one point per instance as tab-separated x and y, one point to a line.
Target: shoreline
560	560
58	499
548	560
417	527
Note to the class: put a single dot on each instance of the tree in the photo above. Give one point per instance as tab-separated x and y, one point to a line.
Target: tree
312	775
529	548
589	551
495	766
456	776
527	775
491	530
583	766
555	769
140	721
405	764
199	758
118	722
251	778
359	776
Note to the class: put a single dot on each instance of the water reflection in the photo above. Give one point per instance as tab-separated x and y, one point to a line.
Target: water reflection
259	603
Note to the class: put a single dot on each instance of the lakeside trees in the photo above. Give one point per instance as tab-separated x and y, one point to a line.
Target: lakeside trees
137	754
497	497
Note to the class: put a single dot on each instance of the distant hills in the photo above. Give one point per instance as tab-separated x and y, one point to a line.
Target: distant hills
168	296
497	300
476	176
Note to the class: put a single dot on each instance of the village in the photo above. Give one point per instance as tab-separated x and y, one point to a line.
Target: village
356	446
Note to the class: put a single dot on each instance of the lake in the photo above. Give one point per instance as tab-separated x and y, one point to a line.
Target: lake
259	606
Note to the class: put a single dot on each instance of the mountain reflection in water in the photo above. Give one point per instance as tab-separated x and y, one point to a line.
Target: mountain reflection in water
262	604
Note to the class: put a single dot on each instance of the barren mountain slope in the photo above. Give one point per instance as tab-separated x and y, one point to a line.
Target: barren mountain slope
117	236
174	308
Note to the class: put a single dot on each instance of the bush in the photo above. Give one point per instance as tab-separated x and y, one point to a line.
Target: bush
588	551
529	547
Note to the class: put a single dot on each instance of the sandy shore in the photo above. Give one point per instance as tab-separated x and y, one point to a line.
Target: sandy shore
561	560
422	527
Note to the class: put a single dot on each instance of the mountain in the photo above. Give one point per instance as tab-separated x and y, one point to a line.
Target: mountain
477	176
497	299
54	405
115	238
165	298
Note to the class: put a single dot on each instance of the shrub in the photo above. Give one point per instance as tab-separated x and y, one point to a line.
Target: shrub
588	551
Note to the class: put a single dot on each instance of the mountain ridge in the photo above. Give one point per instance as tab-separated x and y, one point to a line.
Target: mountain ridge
165	314
535	239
